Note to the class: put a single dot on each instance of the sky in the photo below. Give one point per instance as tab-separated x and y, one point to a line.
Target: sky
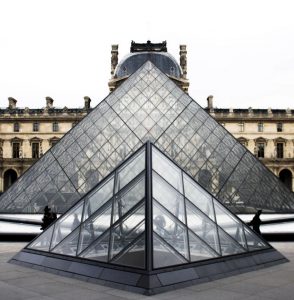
241	52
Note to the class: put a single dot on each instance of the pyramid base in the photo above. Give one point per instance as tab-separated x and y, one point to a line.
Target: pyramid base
148	283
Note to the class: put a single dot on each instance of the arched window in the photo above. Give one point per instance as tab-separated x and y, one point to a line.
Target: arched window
286	177
10	177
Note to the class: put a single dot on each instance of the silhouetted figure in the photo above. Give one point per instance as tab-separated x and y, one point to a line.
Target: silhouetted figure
48	218
256	222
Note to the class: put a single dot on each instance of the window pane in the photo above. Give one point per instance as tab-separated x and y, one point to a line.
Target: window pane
164	167
127	231
43	241
168	197
198	196
229	224
164	255
253	241
98	197
134	256
128	199
69	245
172	231
228	245
202	226
94	227
198	249
131	170
67	224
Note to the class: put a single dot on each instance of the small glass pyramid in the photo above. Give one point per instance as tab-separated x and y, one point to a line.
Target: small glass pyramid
148	204
148	106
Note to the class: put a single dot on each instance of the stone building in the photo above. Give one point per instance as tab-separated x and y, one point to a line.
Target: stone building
26	134
267	133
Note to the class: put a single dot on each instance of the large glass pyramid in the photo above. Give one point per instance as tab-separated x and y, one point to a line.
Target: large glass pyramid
147	106
149	215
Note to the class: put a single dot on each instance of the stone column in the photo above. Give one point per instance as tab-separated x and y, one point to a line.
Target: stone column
183	60
114	58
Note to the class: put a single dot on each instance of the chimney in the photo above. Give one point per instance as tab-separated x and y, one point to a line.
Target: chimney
11	103
183	60
210	102
49	102
114	58
87	105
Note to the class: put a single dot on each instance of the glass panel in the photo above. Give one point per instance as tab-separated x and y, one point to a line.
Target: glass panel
67	223
95	226
127	231
198	196
128	199
99	250
43	241
253	241
98	197
229	223
198	249
69	245
164	167
228	245
202	226
134	256
164	255
173	232
168	197
134	167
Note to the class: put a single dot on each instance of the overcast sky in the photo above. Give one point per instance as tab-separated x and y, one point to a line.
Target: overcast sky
242	52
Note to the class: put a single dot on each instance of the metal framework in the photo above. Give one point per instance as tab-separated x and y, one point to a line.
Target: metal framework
147	106
148	227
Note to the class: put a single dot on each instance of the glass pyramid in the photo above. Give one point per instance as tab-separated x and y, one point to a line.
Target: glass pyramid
148	214
147	106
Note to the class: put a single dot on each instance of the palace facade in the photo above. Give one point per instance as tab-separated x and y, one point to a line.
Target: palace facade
27	133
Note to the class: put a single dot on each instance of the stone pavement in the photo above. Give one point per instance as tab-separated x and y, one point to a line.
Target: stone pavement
17	282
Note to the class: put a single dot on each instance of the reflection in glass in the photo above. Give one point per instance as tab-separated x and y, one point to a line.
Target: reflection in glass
198	249
98	197
253	242
165	168
69	245
172	231
229	223
133	256
198	196
168	197
43	241
202	226
95	226
127	231
67	223
131	170
164	255
228	245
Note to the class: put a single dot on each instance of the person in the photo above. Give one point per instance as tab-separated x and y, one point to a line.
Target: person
256	222
46	218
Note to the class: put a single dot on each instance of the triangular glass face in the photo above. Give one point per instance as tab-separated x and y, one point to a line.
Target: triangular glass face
148	106
156	203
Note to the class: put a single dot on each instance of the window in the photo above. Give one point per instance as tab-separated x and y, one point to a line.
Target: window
16	127
260	150
36	126
280	150
279	127
260	127
15	150
35	150
55	127
241	126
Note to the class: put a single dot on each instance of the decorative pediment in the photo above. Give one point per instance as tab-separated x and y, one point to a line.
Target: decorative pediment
243	141
35	140
16	140
260	140
280	140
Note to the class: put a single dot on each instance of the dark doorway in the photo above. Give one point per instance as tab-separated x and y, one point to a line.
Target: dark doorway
10	177
286	177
